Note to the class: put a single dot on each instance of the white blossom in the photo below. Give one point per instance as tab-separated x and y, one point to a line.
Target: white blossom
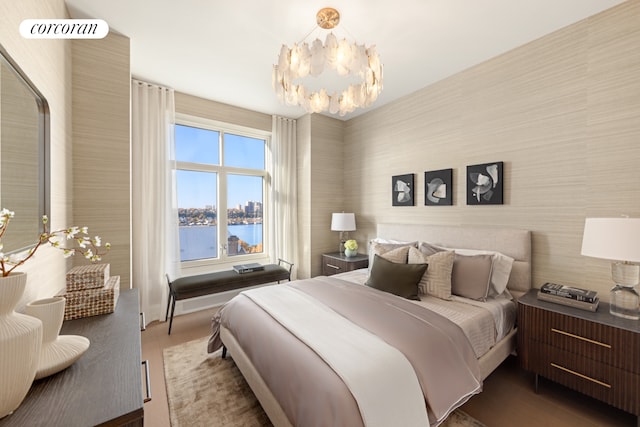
56	239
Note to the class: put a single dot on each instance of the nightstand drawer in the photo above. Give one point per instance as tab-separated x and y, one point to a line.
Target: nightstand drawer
335	263
334	266
598	380
602	343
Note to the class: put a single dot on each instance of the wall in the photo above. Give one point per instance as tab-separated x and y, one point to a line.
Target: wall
101	147
320	189
322	178
212	110
561	112
86	84
48	64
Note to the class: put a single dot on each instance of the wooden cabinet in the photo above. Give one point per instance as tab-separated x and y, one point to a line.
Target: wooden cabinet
103	387
597	354
334	263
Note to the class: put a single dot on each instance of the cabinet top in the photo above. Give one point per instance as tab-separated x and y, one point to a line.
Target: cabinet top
104	385
343	257
602	315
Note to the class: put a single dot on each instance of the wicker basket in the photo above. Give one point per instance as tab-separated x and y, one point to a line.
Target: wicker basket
87	277
92	302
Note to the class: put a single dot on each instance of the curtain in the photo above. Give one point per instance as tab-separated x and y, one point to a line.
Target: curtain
154	241
284	212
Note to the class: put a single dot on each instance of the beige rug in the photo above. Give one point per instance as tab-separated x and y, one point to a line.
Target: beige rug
206	390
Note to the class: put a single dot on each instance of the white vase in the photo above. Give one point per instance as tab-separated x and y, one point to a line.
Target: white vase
20	342
58	351
350	252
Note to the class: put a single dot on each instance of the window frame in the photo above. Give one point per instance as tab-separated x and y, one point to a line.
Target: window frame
222	171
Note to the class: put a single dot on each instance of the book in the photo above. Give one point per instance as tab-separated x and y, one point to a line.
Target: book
569	302
248	268
569	292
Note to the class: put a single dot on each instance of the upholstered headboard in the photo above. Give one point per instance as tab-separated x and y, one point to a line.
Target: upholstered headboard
515	243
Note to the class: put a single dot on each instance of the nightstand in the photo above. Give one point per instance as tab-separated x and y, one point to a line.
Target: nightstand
597	354
334	263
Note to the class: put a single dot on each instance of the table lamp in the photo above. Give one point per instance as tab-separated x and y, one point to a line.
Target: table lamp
343	222
617	239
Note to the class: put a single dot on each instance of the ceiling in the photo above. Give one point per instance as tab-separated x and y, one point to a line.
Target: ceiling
224	50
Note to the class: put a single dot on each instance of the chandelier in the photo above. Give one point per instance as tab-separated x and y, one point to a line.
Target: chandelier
302	60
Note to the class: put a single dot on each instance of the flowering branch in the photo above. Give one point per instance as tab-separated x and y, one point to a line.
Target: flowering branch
79	236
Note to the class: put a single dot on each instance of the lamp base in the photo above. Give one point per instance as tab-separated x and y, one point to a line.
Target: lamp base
625	302
344	236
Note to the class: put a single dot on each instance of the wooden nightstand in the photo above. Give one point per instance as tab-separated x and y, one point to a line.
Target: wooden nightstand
597	354
334	263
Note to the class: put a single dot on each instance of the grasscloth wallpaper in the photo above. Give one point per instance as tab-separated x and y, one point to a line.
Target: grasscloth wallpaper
562	113
101	146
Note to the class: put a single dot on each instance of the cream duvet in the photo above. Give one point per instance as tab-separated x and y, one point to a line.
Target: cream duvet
310	381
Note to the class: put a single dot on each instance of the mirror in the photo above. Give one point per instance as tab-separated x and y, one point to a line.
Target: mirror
24	155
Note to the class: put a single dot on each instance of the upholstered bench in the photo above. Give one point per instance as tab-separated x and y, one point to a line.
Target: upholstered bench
221	281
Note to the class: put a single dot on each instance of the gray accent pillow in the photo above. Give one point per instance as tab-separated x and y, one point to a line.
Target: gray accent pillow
471	276
398	279
500	269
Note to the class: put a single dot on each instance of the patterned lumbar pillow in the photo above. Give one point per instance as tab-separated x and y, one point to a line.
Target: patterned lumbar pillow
436	281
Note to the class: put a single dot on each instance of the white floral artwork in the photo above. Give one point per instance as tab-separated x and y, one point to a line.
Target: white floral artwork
438	187
484	184
402	189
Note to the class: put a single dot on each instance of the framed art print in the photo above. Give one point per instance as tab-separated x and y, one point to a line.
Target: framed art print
438	188
402	190
484	184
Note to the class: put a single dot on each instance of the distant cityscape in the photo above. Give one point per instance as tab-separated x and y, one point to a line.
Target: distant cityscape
250	213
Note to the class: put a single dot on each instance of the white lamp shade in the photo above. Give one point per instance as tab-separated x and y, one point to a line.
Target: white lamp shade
612	238
343	222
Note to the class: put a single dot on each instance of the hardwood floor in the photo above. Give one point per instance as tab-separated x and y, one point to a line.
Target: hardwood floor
185	328
508	398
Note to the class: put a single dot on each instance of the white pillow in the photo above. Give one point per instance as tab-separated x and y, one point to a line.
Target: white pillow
381	246
381	240
501	269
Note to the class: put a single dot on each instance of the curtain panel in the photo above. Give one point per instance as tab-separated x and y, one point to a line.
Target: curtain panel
154	208
284	201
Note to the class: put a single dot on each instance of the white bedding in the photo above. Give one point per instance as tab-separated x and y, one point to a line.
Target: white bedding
316	326
484	323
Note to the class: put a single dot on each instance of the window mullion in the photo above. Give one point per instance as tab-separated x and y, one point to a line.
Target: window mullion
222	202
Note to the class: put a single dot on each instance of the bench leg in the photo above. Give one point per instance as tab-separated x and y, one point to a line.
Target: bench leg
166	315
224	351
173	307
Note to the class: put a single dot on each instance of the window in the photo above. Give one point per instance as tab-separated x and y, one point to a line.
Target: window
220	184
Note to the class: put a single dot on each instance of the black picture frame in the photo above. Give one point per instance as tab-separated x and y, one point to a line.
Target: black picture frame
485	184
402	190
438	187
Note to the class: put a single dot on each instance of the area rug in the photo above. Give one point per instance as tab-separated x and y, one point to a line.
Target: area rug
206	390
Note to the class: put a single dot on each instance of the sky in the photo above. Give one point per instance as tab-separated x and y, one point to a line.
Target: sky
199	189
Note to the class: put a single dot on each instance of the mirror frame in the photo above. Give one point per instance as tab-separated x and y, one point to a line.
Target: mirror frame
44	143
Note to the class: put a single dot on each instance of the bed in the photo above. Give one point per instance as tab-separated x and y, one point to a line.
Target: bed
300	382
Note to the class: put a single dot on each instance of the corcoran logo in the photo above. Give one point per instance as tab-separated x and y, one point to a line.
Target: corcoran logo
64	29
